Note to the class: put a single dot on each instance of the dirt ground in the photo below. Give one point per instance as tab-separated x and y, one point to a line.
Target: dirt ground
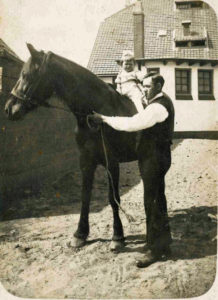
37	262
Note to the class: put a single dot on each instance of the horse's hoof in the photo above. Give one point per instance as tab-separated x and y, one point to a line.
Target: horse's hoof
116	245
76	243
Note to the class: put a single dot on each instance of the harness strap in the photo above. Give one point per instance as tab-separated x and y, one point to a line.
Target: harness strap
129	217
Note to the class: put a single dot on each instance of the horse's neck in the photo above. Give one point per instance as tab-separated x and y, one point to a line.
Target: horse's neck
84	92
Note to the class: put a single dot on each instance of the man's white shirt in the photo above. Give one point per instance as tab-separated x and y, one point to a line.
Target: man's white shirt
151	115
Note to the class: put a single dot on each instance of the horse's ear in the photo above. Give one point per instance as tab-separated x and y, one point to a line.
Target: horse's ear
34	53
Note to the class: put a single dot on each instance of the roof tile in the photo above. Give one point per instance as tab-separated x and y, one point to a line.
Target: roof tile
116	34
4	50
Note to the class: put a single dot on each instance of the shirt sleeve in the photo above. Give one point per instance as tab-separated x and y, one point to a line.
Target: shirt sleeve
151	115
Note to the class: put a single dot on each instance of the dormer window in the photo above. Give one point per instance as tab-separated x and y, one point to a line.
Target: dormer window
190	37
200	43
182	44
187	4
198	4
186	44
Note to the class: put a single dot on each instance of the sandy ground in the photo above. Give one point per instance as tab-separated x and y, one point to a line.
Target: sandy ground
36	261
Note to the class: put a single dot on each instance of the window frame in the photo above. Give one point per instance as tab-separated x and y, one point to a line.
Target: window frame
206	95
180	95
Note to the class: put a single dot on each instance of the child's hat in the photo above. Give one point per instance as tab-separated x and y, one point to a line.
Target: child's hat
127	54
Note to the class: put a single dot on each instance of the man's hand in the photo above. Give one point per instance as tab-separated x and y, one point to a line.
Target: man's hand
96	118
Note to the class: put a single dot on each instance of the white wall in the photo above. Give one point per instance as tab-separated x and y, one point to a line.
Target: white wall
191	115
107	79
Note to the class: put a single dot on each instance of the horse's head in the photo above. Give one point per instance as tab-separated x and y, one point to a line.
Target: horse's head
33	86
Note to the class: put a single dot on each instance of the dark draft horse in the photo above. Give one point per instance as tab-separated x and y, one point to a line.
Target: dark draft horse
83	92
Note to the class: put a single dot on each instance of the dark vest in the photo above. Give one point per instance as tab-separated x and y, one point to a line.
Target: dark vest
163	131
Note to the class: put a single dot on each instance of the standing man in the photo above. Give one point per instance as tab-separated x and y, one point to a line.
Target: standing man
157	123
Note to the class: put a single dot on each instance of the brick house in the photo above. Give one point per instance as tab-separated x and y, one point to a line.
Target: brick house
178	39
10	66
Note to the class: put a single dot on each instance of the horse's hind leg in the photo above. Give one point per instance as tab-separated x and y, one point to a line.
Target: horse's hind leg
88	167
114	198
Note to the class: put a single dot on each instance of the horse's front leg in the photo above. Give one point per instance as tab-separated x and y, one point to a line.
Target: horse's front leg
114	198
88	167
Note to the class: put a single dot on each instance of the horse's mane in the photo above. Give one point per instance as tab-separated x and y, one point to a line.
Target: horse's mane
106	93
71	65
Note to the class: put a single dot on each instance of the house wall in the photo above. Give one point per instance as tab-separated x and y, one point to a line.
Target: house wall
107	79
9	73
191	115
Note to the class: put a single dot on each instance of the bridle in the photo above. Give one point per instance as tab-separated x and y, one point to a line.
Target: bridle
27	97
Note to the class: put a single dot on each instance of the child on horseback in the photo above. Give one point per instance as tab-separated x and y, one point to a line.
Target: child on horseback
129	81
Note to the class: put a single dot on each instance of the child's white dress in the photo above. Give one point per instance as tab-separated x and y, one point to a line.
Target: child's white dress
129	84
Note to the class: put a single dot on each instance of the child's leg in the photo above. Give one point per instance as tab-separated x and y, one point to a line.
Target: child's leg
137	97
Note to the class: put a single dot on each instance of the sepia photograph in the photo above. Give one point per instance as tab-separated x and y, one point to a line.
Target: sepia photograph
108	149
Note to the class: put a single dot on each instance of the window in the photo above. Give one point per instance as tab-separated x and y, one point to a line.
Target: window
183	84
200	43
153	70
182	5
182	44
205	85
188	44
188	4
197	4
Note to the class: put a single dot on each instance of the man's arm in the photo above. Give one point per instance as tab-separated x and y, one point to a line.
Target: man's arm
151	115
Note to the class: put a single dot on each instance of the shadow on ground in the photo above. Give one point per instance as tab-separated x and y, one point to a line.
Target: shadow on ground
63	196
194	232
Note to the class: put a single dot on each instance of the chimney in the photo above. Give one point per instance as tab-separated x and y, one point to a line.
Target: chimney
138	29
186	27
